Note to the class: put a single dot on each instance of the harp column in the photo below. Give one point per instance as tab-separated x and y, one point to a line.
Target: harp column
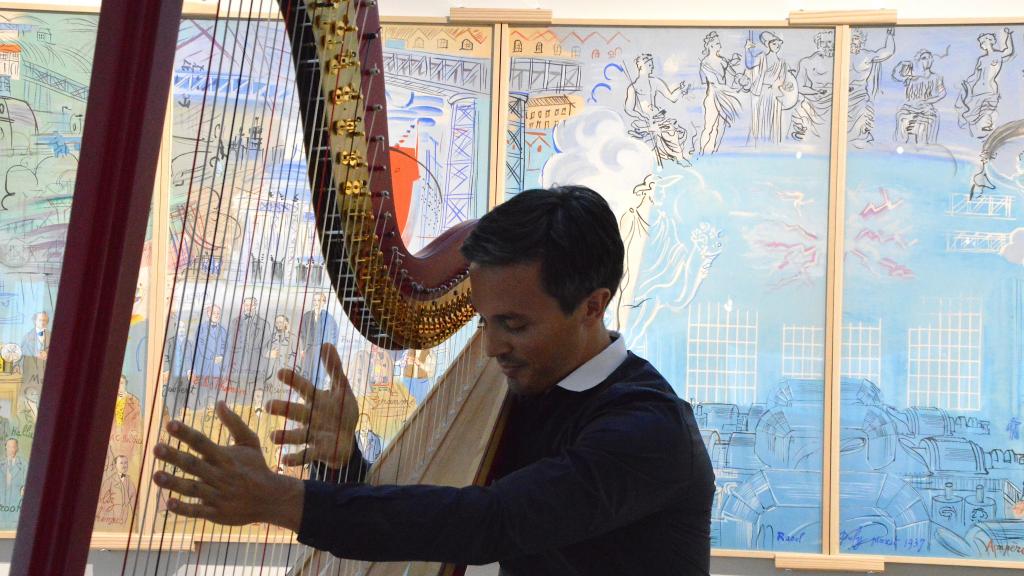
131	76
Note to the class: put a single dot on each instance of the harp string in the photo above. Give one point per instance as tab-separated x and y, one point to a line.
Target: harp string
345	286
163	533
220	234
247	534
230	290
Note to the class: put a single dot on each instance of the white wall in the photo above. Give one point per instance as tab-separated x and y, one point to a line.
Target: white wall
705	10
670	9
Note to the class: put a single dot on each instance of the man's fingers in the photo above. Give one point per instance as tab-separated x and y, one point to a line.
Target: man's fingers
290	410
298	383
243	435
184	461
183	486
291	436
294	458
194	439
331	360
190	510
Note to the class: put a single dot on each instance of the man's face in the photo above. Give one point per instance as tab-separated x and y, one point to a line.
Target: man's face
281	323
826	46
535	343
248	305
856	43
122	465
215	315
12	448
42	321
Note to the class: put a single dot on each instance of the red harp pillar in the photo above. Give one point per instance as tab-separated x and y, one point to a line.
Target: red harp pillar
124	119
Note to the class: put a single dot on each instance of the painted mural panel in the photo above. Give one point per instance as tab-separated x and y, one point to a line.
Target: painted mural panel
251	294
933	336
45	65
712	147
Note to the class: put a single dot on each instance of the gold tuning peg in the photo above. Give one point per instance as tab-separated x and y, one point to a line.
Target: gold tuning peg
351	159
355	187
344	60
345	94
348	128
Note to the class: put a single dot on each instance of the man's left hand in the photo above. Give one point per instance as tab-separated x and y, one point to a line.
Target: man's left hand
232	484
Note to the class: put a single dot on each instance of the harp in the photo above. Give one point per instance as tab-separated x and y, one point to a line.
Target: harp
394	297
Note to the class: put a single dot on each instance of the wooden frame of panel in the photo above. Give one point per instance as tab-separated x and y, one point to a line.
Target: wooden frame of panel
830	558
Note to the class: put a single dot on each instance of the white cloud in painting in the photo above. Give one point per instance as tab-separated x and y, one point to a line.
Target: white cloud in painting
1014	250
596	152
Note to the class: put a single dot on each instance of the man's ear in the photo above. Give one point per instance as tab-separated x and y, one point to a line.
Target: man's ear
596	303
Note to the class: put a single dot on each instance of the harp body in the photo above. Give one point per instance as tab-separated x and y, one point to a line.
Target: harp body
451	440
395	298
403	300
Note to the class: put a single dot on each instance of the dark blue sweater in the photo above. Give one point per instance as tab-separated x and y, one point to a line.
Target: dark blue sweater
613	480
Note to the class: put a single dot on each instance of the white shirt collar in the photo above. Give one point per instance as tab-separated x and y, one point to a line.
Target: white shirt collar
598	368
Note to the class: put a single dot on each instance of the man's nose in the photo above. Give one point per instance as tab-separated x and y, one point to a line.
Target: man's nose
494	345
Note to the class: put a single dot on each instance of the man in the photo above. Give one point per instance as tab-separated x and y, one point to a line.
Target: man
177	366
281	352
126	430
317	327
604	470
651	122
814	84
368	442
29	412
34	348
12	475
251	334
211	346
865	66
117	495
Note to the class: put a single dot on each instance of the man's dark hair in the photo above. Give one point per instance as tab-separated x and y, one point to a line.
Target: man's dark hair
570	230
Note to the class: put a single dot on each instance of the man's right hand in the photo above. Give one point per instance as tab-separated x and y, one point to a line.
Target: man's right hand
327	418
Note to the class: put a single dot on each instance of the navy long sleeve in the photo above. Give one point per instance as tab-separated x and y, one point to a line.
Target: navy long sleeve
612	480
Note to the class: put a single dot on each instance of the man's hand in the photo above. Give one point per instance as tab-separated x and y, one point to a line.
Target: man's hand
232	484
327	418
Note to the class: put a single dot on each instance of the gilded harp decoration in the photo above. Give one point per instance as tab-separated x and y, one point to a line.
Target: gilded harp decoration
398	299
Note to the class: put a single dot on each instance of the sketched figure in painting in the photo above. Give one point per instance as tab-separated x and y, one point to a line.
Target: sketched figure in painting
979	93
865	69
1018	178
999	138
673	277
1014	428
721	82
634	227
814	88
773	87
917	121
651	123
